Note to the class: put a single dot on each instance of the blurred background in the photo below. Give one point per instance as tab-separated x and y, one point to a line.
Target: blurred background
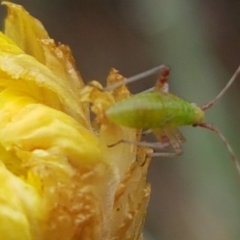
195	196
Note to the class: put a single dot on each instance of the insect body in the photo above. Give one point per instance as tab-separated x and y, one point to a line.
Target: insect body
155	110
162	113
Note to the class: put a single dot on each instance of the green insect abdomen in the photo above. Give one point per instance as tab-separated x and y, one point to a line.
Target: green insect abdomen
154	110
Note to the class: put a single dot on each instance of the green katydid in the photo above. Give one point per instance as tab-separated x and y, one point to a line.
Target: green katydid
162	113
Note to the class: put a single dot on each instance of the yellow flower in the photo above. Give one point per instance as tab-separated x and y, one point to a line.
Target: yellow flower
59	179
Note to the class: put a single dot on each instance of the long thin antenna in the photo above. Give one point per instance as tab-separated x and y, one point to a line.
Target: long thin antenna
136	77
230	82
222	137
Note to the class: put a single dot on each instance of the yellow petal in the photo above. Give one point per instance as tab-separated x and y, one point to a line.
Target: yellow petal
20	214
63	180
29	34
18	70
25	30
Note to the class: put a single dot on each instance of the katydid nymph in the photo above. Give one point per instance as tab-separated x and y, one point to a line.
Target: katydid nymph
162	113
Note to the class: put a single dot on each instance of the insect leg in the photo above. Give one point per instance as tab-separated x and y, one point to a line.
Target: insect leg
173	137
222	137
162	82
154	145
137	77
177	152
167	138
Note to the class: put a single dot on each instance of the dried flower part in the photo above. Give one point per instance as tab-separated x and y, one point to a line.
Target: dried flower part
59	178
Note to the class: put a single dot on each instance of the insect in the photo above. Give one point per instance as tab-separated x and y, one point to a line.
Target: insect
162	113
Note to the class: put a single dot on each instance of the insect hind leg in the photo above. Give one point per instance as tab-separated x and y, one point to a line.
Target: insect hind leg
163	69
177	152
167	138
155	146
174	138
162	81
